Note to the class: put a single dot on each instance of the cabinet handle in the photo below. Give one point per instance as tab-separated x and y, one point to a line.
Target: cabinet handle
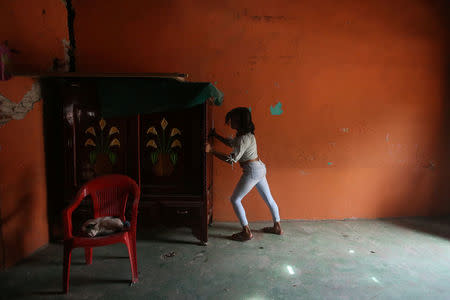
182	212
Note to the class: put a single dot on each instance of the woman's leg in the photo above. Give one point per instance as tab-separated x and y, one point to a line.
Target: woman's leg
245	184
264	190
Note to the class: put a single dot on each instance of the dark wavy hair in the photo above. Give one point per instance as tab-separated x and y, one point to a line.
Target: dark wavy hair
245	117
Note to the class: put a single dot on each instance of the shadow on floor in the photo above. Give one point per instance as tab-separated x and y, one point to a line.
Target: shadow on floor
104	257
438	226
47	293
83	282
183	235
172	235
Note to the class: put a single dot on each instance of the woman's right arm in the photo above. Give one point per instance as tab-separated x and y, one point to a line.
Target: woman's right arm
227	142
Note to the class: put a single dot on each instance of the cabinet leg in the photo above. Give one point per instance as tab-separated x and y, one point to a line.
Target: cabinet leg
200	234
210	223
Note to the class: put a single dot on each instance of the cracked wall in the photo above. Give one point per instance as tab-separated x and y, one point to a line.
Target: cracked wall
10	110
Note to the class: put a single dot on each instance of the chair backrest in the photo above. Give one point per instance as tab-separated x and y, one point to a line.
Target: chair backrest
109	194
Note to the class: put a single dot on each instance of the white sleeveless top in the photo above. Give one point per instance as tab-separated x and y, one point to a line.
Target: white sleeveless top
244	148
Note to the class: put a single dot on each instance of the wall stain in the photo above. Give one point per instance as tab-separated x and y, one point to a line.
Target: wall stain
268	19
287	56
276	110
407	155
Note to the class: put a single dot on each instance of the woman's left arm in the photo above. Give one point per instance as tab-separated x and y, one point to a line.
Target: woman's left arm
222	156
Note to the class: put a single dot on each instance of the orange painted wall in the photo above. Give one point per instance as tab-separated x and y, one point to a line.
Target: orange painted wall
36	29
362	86
22	178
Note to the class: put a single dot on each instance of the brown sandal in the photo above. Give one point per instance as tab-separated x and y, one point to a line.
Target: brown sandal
272	230
241	236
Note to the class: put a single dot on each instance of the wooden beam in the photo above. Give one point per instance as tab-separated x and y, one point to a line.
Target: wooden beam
177	76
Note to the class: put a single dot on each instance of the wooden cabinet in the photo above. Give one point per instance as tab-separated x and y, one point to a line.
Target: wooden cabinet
163	152
174	168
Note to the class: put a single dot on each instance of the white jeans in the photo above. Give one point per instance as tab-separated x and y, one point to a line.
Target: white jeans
254	174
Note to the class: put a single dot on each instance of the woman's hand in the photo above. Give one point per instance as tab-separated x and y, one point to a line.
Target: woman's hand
212	132
208	148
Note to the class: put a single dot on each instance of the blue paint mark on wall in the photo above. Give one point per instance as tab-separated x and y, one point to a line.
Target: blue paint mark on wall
250	109
330	163
276	110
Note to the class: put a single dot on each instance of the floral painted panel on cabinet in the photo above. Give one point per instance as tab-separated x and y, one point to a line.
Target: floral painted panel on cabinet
101	145
165	147
171	152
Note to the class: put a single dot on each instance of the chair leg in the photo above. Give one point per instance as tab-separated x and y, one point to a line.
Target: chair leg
66	267
88	255
131	245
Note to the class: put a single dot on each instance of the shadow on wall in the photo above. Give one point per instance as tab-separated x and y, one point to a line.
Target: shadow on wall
53	139
17	221
439	203
442	195
2	244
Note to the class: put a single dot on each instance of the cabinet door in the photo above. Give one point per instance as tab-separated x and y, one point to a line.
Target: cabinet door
101	146
209	163
171	153
95	146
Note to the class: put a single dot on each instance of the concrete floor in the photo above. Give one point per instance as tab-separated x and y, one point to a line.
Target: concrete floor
353	259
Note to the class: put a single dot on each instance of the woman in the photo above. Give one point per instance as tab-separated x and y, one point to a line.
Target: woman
254	170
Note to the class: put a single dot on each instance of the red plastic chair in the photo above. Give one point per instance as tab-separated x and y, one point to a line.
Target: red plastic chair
109	197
